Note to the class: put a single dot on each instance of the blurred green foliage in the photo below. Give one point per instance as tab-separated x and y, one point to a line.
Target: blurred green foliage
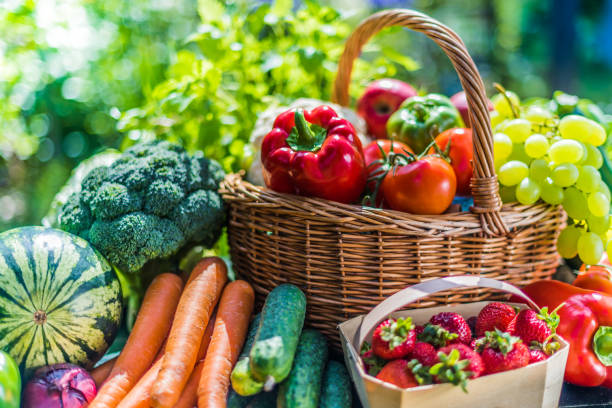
67	68
242	59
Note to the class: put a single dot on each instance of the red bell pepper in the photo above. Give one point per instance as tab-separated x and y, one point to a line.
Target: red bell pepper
314	153
596	278
586	324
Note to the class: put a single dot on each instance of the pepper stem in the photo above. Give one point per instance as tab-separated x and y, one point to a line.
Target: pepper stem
305	135
602	345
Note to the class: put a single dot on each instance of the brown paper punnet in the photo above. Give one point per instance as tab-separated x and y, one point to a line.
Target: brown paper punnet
535	386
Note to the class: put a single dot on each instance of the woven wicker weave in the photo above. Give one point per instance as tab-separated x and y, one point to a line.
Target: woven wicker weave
348	258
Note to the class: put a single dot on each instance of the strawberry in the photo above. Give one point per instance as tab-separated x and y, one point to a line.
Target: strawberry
502	352
372	364
451	369
425	353
454	323
394	338
532	326
475	367
436	335
493	316
398	373
536	355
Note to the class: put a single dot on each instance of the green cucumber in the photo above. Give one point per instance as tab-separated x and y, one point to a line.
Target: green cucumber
336	389
264	400
303	386
243	383
282	319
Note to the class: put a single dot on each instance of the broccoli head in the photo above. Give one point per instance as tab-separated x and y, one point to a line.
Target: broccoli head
148	204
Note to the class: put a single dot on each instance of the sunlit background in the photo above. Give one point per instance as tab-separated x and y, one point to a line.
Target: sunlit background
79	75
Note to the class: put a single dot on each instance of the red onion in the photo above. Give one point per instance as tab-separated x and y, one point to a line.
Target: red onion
59	386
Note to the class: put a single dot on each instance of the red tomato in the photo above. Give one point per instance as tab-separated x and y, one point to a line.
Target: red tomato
372	153
461	155
425	186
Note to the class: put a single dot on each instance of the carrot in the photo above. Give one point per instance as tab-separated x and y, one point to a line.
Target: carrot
197	302
151	328
230	331
101	372
140	395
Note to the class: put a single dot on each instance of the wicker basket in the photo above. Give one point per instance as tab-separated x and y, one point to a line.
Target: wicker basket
348	258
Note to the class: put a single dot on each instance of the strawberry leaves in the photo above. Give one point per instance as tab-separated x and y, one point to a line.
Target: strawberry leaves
397	332
436	335
451	369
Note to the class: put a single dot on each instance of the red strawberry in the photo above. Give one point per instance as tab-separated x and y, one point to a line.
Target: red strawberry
397	372
454	323
533	326
372	363
475	367
503	352
425	353
536	355
394	338
493	316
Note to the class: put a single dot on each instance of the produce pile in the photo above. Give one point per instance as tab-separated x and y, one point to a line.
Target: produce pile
125	248
451	349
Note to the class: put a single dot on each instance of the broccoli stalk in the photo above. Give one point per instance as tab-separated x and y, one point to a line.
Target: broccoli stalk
150	203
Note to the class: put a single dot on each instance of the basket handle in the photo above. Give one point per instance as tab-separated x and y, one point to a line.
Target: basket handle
485	191
413	293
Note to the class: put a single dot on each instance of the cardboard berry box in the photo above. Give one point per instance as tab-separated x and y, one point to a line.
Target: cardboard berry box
534	386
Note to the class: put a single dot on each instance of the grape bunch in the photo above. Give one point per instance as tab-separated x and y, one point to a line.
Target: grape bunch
541	156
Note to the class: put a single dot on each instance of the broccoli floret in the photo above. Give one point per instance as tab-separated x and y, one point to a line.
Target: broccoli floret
148	204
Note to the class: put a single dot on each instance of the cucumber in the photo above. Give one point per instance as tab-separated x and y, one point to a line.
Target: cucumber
264	400
302	388
235	400
243	383
282	319
336	388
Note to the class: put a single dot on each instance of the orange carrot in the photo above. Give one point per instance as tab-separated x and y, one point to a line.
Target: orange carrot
197	302
140	395
230	330
151	328
101	372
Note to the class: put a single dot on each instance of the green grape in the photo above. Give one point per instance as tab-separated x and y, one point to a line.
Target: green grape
501	104
593	156
567	244
603	188
536	145
583	129
590	248
496	119
598	204
575	203
528	191
539	170
566	151
588	179
538	115
502	146
609	249
511	173
598	225
517	129
507	194
565	175
551	193
518	153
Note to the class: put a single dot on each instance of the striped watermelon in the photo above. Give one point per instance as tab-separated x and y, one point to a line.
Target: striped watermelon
60	301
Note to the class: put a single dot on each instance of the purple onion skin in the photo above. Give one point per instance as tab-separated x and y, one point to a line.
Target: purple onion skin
59	386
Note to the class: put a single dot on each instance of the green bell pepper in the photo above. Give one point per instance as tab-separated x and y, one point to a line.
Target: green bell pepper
421	118
10	382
